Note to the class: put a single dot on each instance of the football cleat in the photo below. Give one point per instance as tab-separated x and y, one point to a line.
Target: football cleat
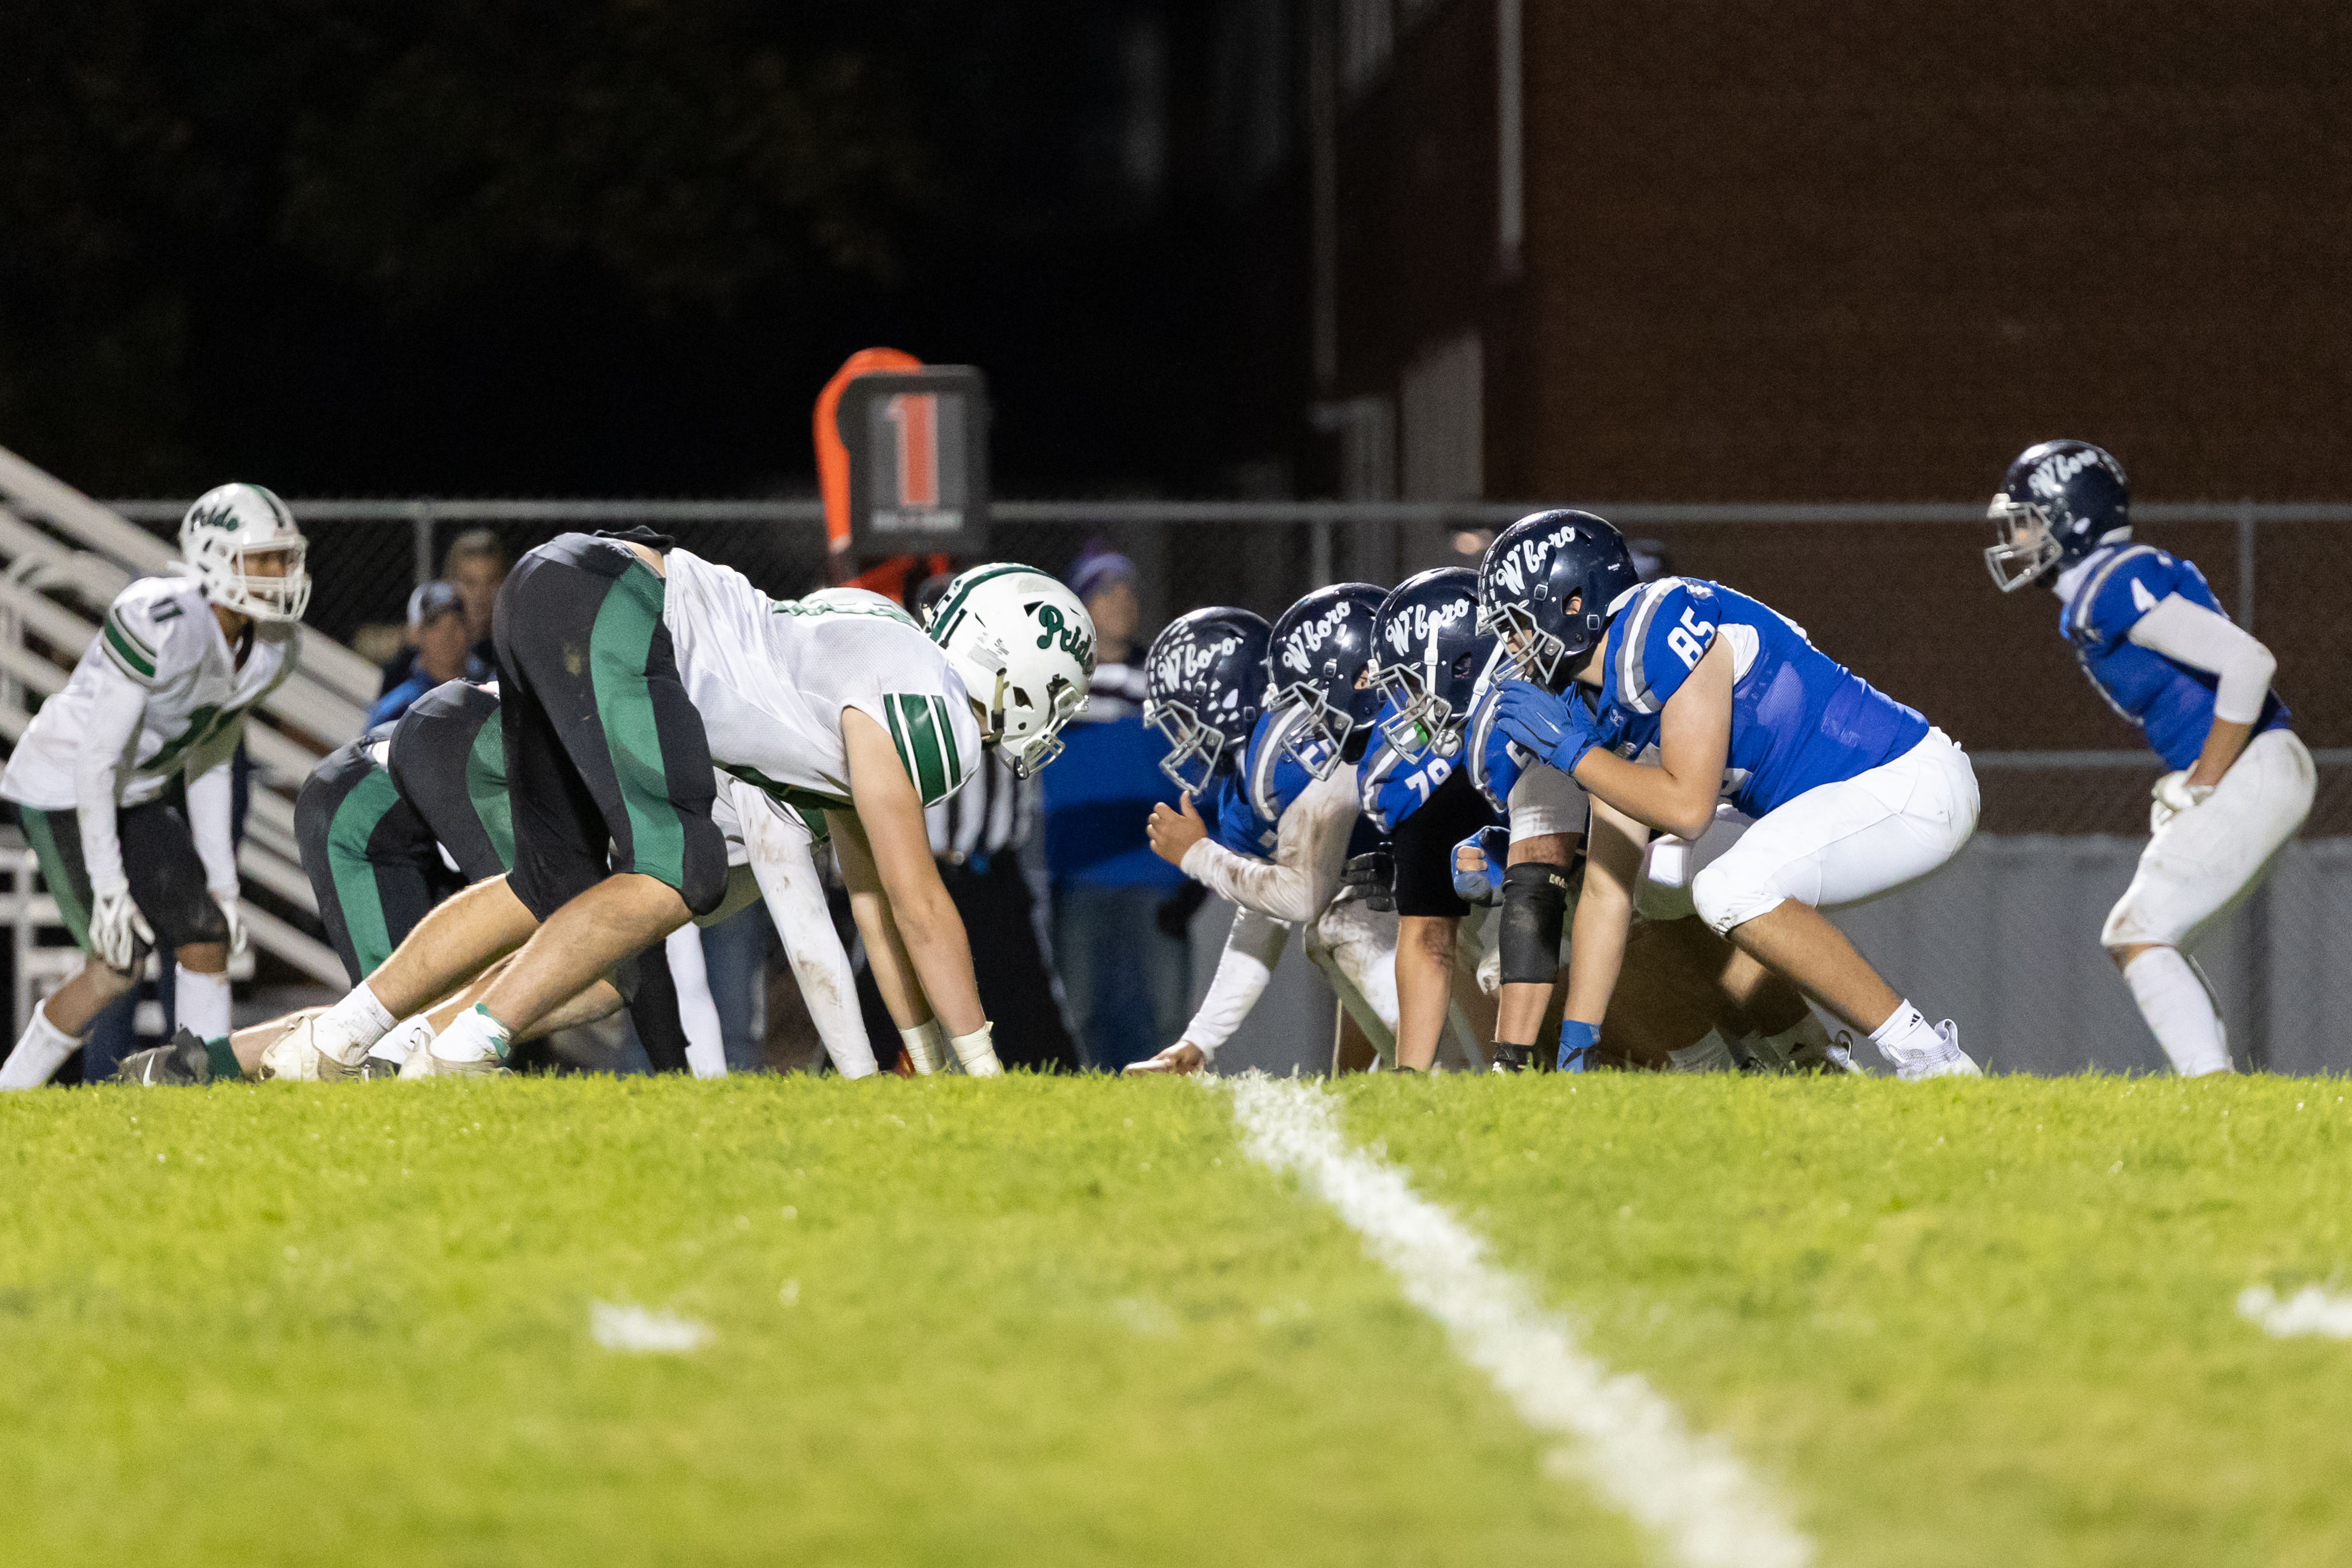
184	1061
1512	1058
1832	1057
295	1057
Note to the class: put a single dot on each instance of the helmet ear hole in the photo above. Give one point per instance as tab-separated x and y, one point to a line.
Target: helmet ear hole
1021	695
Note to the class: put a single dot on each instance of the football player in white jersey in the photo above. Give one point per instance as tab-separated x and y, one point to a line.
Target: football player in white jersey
2157	646
628	668
123	779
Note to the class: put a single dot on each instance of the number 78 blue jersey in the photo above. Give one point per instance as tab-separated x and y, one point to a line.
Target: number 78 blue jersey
1799	718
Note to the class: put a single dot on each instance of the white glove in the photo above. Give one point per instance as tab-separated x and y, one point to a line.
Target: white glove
977	1051
2174	794
116	927
239	941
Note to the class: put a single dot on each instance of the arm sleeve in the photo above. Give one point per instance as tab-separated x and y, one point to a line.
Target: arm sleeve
1304	875
116	708
785	864
2203	639
209	812
1252	948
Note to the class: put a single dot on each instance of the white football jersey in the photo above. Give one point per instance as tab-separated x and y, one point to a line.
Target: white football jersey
770	678
161	635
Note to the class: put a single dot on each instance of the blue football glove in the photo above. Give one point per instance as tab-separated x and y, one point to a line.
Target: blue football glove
1483	885
1557	729
1576	1042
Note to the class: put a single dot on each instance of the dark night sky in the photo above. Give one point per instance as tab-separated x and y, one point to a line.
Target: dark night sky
428	245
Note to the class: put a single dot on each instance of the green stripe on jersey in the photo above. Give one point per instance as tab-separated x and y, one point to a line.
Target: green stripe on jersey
618	646
916	732
948	744
125	651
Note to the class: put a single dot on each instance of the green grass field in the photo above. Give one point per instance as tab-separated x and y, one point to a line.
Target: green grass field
1068	1321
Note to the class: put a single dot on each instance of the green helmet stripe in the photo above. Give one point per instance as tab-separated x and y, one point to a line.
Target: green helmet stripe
944	619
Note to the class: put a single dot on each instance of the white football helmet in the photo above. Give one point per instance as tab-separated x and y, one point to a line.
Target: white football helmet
234	521
1024	645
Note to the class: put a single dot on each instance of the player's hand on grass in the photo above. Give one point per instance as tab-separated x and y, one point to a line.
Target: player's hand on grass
1180	1058
1173	832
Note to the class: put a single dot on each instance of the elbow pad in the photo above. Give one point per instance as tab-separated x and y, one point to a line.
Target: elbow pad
1535	908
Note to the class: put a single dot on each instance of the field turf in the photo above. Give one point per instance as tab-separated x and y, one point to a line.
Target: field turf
1043	1320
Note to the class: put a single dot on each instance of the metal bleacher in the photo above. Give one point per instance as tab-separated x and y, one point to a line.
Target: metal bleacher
63	558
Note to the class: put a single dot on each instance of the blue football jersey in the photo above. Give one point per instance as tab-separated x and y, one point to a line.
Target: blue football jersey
1243	809
1799	718
1391	785
2171	703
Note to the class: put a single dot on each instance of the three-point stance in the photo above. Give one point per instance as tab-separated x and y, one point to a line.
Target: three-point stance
1853	794
628	668
2157	646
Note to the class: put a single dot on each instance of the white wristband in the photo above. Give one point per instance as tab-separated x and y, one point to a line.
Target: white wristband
925	1045
977	1051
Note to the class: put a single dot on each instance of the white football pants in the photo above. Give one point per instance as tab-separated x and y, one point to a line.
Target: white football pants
1847	843
2199	865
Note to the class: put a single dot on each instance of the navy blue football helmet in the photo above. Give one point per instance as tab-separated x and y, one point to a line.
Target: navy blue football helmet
1427	654
1530	577
1320	659
1206	687
2060	501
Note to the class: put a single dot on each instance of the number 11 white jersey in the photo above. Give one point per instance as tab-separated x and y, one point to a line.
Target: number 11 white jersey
161	635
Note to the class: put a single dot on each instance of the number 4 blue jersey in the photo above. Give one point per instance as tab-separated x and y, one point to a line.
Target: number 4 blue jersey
1245	809
1799	718
2171	703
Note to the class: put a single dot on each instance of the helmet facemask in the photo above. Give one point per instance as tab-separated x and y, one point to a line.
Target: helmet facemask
1026	733
1316	741
2028	546
1195	746
278	600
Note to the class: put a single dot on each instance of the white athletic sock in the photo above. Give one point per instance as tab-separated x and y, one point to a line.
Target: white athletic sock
2180	1012
346	1029
40	1051
698	1013
200	1003
472	1036
1710	1053
1905	1030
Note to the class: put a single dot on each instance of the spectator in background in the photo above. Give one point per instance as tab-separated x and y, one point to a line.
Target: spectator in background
475	565
437	635
1121	913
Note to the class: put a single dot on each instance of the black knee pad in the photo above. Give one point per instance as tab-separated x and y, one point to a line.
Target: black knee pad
1535	907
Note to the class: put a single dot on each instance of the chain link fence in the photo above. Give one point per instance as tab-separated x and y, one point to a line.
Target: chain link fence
2005	940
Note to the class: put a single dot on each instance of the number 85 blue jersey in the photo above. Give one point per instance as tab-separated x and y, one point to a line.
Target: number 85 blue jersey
1799	718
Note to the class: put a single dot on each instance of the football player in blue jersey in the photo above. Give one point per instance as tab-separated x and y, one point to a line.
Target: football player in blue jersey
2159	646
1270	836
1428	654
1686	999
1853	794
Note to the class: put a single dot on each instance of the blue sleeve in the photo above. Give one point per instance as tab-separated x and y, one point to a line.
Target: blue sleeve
396	702
1658	640
1496	763
2135	584
1233	822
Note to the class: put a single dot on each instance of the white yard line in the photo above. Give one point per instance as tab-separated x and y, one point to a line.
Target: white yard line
2310	1310
1686	1487
639	1331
